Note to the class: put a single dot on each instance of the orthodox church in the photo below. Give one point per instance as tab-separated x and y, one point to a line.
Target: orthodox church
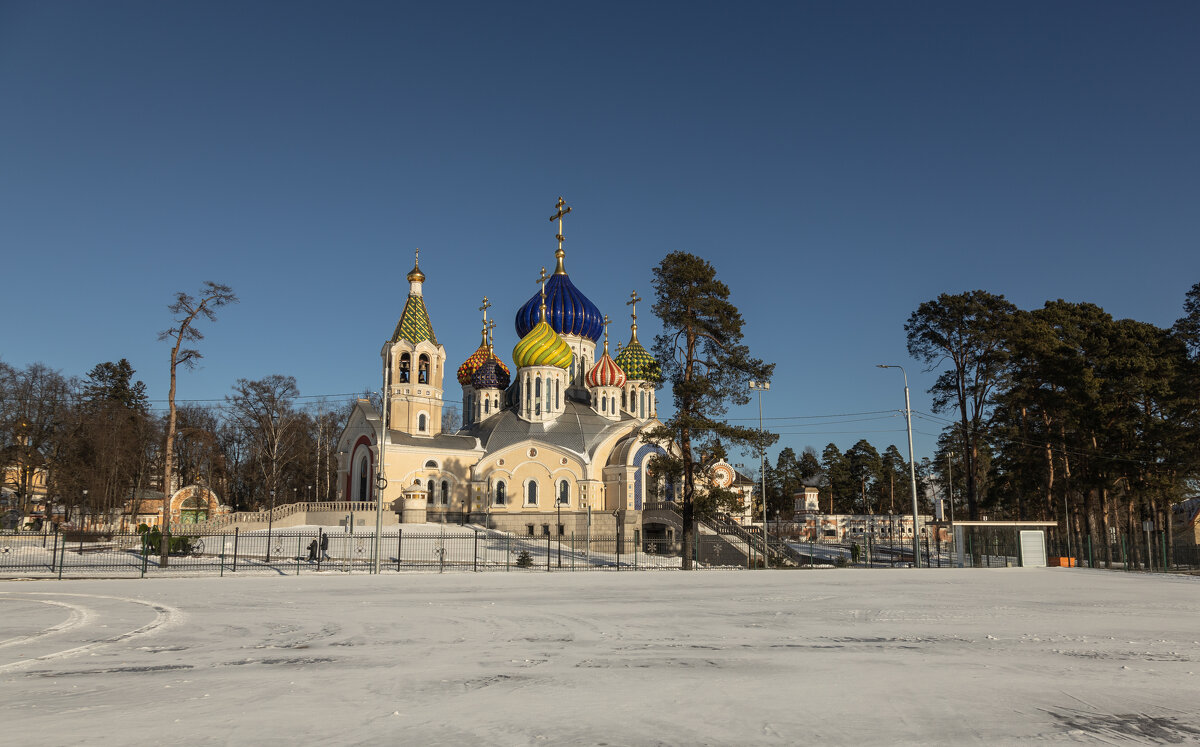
556	449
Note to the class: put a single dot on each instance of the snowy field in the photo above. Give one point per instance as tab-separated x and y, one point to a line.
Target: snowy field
894	656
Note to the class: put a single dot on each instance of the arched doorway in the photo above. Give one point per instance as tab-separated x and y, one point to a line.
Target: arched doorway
193	510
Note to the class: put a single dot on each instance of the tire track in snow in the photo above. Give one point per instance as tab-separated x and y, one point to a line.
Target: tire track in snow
164	616
78	616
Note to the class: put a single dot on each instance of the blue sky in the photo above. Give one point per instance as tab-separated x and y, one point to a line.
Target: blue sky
838	163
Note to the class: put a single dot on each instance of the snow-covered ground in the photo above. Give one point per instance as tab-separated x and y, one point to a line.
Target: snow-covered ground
847	656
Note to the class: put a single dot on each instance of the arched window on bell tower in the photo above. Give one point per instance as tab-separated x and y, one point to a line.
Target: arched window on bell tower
405	365
423	369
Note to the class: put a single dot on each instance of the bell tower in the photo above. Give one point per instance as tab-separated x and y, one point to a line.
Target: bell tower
415	365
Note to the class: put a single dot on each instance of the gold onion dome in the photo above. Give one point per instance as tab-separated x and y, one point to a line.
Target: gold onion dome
542	347
472	364
415	275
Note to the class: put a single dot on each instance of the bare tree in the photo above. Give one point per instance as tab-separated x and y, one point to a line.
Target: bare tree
186	310
264	411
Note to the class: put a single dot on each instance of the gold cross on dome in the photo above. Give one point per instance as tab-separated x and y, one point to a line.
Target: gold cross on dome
633	300
491	327
558	217
607	321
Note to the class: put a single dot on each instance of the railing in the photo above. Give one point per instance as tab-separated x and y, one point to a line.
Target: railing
271	515
779	553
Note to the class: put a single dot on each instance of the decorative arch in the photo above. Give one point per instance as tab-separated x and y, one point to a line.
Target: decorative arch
639	460
358	453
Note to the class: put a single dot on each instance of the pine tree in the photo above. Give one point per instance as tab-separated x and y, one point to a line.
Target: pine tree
707	366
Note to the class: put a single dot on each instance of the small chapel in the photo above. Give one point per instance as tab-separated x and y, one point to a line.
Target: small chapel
556	448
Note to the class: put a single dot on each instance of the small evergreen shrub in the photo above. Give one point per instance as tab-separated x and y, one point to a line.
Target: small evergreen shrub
524	560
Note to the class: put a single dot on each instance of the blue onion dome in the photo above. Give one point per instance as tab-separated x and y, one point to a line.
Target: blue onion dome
568	311
493	374
637	363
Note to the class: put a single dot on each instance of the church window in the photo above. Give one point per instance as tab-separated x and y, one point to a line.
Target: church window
429	492
431	464
423	369
643	407
529	529
623	405
604	404
486	405
545	530
421	422
500	497
531	493
445	493
362	479
404	366
564	493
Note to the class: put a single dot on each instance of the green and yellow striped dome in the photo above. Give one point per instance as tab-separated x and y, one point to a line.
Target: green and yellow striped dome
542	347
638	364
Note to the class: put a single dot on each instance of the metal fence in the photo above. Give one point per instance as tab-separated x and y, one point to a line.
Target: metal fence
51	554
453	548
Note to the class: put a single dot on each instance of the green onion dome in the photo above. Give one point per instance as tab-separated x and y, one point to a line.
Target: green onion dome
637	363
542	347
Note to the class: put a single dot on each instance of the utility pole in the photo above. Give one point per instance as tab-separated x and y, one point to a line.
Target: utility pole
760	387
912	470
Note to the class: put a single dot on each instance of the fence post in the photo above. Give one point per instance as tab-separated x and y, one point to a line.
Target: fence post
475	562
54	552
222	556
399	545
62	558
635	553
619	547
1164	549
547	551
572	551
236	531
145	554
507	552
299	545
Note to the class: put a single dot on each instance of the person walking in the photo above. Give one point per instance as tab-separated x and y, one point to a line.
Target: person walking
312	551
324	545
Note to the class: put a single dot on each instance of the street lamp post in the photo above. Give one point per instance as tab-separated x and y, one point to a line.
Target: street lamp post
270	523
760	387
559	526
380	477
912	469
